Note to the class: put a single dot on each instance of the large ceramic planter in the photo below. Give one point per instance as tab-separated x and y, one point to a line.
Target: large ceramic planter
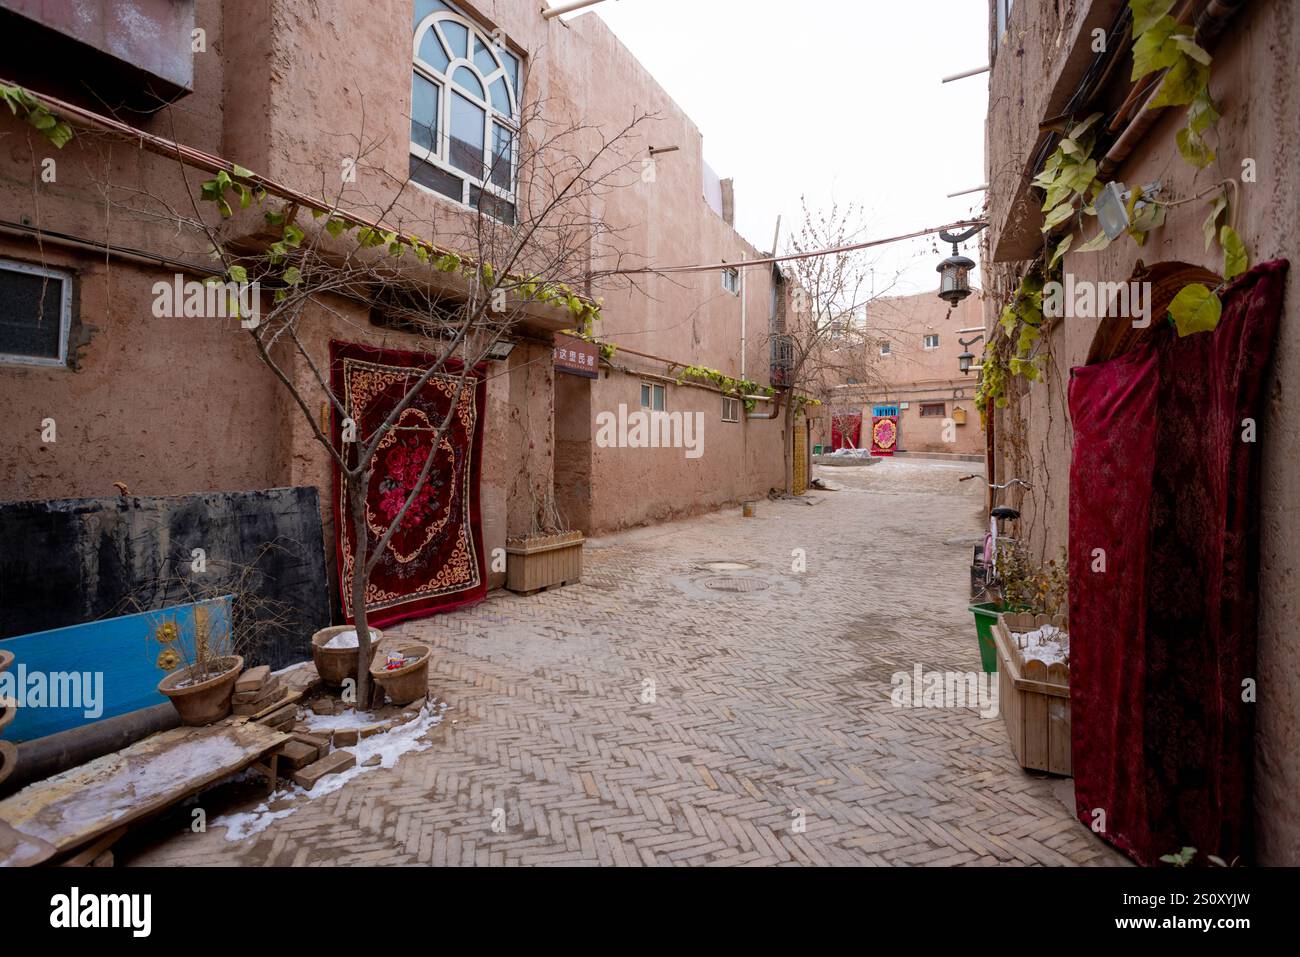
205	701
408	683
535	564
336	665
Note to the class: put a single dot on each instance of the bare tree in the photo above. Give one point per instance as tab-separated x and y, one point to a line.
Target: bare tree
822	342
525	248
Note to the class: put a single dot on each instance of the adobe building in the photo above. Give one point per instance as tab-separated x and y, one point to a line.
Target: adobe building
150	406
1047	67
913	374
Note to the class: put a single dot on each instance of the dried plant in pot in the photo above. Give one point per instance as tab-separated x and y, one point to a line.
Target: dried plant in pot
550	555
205	673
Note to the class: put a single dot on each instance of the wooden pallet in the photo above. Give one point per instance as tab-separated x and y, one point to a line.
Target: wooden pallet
73	811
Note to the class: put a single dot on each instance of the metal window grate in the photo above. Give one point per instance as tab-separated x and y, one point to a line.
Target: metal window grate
35	306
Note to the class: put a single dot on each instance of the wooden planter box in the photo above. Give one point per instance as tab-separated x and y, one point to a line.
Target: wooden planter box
539	563
1034	698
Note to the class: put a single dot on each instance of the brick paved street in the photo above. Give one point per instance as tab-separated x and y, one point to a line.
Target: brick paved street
769	703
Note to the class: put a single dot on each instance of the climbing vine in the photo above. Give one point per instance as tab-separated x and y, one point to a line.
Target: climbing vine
20	101
725	383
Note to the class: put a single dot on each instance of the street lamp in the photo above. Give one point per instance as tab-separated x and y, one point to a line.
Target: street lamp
967	357
954	272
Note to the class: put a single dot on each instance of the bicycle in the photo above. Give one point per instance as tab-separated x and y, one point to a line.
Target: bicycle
986	556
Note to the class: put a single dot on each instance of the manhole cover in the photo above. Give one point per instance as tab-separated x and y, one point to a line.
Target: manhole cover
726	566
734	583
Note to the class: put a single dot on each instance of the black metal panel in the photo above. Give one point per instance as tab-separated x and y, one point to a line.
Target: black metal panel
75	560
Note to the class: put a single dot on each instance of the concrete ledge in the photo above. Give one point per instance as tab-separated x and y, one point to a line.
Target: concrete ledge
843	460
942	456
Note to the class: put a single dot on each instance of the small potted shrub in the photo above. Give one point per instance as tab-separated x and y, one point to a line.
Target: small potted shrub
202	678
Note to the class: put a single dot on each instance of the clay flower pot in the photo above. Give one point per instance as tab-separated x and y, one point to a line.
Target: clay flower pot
336	665
204	701
409	682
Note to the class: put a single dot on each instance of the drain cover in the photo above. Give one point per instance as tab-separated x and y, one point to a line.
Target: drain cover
734	583
726	566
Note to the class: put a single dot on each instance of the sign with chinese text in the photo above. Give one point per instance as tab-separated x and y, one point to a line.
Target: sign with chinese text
576	356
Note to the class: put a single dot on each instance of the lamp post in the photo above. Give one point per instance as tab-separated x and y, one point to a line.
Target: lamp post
967	357
954	272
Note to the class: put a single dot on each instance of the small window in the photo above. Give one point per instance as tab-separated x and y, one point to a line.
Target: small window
731	281
933	410
884	348
730	409
652	396
932	341
35	313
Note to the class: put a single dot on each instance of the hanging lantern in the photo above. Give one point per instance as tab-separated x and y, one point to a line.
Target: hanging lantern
954	278
964	360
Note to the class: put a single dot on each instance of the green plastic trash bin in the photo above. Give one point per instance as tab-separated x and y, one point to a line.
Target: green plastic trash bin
817	450
986	616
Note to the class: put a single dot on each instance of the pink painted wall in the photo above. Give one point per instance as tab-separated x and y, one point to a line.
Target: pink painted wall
1254	82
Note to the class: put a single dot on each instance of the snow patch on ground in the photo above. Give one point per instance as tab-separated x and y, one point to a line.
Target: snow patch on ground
404	739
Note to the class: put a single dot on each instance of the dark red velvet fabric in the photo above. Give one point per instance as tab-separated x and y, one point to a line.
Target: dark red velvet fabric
435	561
1163	639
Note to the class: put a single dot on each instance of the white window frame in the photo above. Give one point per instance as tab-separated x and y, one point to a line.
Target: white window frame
731	280
65	314
925	342
654	389
441	158
886	349
730	408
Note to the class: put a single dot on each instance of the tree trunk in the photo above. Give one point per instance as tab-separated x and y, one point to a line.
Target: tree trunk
357	505
787	451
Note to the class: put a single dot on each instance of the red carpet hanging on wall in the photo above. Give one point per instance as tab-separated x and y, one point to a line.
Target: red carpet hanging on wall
435	560
1164	490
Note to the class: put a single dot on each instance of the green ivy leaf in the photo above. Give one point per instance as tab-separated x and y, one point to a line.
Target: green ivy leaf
1060	251
238	274
1181	84
1146	13
1211	225
42	119
1235	259
223	207
240	171
1155	48
59	134
1096	244
1194	149
1083	127
1195	309
1058	215
1201	115
293	275
1192	49
335	227
293	236
245	195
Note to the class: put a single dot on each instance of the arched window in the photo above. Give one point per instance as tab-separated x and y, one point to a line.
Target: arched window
464	110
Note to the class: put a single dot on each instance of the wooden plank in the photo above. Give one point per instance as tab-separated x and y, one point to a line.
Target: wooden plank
76	806
1058	736
20	850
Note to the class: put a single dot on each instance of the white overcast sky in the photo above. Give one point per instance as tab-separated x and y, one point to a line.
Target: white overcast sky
836	99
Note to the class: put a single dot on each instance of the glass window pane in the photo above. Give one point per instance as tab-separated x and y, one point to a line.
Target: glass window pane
424	113
466	80
492	205
511	63
500	98
457	38
483	58
502	156
425	7
467	133
432	53
437	179
31	314
659	398
645	395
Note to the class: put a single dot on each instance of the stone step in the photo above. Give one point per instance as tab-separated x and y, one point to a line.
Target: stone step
332	763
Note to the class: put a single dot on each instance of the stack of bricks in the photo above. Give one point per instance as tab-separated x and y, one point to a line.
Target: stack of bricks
308	757
256	692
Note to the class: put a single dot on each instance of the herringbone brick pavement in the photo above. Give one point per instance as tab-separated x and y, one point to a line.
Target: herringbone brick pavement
643	717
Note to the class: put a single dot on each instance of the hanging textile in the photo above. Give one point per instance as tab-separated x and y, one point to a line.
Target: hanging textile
435	560
1163	570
